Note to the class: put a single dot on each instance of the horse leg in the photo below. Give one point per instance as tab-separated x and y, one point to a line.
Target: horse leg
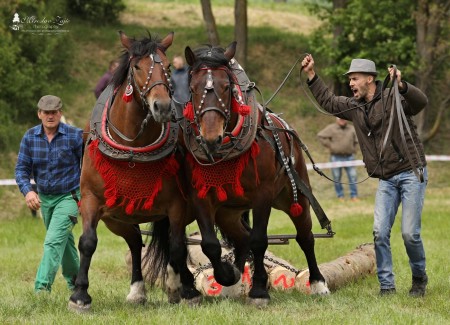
178	266
259	293
225	273
133	238
80	300
230	223
305	239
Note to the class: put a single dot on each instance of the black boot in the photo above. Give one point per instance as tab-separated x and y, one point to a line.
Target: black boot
419	285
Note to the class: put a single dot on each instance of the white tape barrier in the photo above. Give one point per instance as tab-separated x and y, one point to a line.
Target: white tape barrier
325	165
361	163
11	182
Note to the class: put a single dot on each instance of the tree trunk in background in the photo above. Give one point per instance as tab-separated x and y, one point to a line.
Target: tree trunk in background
338	87
210	22
432	48
240	31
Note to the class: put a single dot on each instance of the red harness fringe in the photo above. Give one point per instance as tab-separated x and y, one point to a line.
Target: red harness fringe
226	172
135	188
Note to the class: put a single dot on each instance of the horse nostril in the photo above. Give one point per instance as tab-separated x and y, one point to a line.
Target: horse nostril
219	141
156	106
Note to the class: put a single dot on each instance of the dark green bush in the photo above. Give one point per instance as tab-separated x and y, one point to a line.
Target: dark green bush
99	12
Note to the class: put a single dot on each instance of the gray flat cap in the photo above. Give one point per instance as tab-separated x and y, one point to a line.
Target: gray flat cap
362	66
49	103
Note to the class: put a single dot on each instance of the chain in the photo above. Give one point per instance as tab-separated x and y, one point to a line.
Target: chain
226	258
288	267
229	258
283	158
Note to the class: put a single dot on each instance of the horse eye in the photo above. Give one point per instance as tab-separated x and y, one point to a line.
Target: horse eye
136	67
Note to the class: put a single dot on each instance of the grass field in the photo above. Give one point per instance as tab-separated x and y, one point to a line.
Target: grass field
21	238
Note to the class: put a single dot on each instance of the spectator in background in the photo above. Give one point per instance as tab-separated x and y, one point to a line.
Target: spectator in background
106	78
340	138
51	152
180	80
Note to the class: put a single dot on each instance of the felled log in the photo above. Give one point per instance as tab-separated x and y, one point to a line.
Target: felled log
282	275
343	270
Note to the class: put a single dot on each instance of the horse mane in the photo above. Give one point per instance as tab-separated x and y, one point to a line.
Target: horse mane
139	48
212	56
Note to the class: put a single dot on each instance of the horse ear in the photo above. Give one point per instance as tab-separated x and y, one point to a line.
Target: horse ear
167	41
190	56
126	42
231	50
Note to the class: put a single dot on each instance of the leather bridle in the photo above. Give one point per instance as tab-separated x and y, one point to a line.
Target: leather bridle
155	58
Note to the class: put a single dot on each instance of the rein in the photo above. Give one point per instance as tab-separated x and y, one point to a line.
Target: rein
403	124
116	130
396	107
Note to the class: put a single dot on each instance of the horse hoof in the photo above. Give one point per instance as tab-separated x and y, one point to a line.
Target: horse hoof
224	278
319	288
137	293
137	300
78	307
174	296
258	302
193	302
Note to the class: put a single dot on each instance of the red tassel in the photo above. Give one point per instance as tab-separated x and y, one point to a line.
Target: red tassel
128	94
239	190
296	209
244	110
130	207
202	193
189	111
221	194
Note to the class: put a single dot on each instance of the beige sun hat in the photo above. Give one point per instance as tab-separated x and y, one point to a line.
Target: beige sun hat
49	103
362	66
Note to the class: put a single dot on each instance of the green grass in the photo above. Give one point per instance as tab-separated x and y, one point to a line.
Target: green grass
21	238
271	53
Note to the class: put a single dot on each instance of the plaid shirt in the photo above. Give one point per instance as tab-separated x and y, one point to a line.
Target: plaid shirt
55	166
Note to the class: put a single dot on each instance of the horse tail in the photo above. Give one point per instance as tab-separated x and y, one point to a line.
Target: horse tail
157	254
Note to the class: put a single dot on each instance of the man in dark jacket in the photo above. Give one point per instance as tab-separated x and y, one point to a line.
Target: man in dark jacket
396	157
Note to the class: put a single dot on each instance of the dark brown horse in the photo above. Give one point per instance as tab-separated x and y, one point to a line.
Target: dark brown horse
241	160
131	175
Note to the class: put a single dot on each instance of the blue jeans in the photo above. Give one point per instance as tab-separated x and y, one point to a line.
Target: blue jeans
337	174
406	189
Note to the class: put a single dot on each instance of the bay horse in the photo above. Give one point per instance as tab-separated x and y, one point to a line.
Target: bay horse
130	173
240	159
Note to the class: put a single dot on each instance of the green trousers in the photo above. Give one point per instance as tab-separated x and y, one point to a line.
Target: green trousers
59	244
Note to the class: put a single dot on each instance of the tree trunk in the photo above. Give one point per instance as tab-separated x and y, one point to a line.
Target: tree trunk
343	270
432	48
282	275
240	31
338	87
210	22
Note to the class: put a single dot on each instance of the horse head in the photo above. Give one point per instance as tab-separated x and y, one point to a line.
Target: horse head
145	68
212	87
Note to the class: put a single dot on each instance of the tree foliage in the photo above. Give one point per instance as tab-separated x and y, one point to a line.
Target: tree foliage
100	12
411	34
31	65
377	30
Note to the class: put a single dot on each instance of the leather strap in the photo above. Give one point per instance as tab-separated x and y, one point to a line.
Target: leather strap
397	111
